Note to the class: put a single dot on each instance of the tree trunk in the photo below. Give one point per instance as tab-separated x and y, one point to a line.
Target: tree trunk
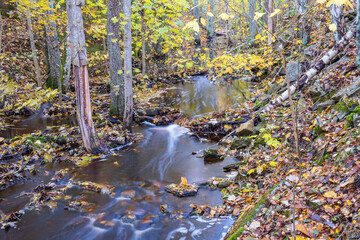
128	114
115	59
90	139
252	22
211	28
197	18
67	65
53	49
228	30
33	50
305	28
143	41
270	24
337	18
358	33
1	31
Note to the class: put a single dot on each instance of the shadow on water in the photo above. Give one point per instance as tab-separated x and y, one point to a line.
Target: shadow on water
139	175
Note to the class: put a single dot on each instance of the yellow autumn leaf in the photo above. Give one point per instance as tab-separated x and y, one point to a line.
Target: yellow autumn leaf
330	194
332	27
277	11
306	139
183	181
203	21
210	14
321	1
250	171
224	16
258	15
273	163
193	25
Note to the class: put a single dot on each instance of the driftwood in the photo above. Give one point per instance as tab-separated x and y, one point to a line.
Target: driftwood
314	70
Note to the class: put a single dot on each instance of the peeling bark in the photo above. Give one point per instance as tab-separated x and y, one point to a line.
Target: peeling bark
90	139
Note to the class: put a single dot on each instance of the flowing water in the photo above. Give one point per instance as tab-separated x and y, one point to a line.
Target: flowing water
139	175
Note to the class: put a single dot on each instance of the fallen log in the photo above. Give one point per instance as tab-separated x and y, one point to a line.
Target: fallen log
314	70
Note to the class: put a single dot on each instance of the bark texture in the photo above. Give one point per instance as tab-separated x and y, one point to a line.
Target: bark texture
358	33
33	49
67	64
128	114
115	60
315	69
252	22
53	48
337	18
270	24
211	29
197	18
91	140
143	40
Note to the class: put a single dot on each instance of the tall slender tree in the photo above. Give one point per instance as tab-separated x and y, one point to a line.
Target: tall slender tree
33	49
358	33
337	18
270	23
252	22
128	114
211	28
67	64
115	59
143	40
52	44
90	139
197	18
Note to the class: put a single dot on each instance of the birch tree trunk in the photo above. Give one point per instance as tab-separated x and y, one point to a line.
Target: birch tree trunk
228	30
115	59
128	114
337	18
33	49
252	22
270	24
67	65
314	70
53	49
90	139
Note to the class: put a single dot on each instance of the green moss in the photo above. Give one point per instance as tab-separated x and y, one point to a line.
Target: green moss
112	111
357	110
319	131
248	216
349	121
341	107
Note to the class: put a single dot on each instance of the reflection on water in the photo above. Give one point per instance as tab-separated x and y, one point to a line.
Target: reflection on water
202	96
139	176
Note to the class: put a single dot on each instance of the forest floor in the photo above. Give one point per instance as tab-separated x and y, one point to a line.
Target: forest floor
324	178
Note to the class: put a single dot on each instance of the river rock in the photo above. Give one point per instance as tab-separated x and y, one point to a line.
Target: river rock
254	225
233	166
348	91
274	88
211	153
301	105
240	142
342	157
322	105
293	71
182	190
246	128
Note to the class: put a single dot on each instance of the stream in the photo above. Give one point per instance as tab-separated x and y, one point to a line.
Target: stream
139	174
